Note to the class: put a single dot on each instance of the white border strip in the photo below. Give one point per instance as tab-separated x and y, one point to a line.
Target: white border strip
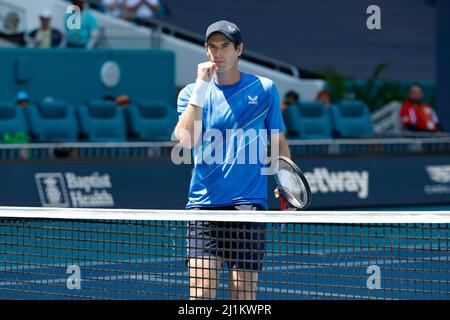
244	216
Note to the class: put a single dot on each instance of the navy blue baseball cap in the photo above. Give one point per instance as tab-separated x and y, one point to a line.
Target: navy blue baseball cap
228	29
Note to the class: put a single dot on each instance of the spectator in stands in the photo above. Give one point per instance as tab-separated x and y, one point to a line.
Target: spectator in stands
140	10
109	97
416	114
95	4
114	8
12	22
291	97
323	96
45	36
11	29
87	36
22	99
123	101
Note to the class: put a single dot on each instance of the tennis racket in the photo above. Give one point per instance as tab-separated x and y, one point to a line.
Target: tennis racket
292	184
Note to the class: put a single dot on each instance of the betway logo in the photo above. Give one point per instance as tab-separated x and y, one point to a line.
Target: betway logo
324	181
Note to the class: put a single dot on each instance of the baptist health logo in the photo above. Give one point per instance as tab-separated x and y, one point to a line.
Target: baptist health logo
52	190
70	190
441	176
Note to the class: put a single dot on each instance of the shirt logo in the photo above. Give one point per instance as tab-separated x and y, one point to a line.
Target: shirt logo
252	100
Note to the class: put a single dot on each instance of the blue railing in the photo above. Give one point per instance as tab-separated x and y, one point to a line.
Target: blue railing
163	149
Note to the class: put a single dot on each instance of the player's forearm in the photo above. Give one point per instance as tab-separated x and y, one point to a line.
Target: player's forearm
284	150
189	128
185	131
95	35
284	146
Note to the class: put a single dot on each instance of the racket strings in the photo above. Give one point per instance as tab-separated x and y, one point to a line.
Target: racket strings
292	184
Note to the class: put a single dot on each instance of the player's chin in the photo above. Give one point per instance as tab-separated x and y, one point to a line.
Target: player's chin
219	69
220	66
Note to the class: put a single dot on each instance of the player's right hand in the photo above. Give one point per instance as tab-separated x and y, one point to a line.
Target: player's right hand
276	192
205	71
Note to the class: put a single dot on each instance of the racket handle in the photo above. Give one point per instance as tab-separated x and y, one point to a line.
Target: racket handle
282	202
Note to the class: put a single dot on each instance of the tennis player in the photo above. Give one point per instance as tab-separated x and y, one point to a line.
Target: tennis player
224	100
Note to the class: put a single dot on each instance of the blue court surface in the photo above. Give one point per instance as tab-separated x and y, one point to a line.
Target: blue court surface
84	261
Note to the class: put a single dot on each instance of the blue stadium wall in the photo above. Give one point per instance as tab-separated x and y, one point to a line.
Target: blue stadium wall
74	75
340	182
443	64
317	34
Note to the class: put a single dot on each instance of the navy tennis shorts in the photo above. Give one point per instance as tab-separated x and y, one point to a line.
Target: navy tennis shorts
240	245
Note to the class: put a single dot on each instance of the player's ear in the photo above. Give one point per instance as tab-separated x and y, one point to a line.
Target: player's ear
240	48
206	51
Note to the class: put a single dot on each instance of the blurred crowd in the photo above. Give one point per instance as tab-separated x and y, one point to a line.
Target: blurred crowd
46	35
415	114
132	10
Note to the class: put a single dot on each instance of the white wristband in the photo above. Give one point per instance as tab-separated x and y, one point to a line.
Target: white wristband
199	92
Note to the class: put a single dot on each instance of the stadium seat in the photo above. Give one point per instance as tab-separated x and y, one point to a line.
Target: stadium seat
53	121
12	120
152	120
351	119
307	120
102	121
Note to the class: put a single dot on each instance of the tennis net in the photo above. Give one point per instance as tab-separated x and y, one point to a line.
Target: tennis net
61	253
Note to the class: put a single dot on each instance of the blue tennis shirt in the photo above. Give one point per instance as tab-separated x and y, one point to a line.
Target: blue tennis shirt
237	123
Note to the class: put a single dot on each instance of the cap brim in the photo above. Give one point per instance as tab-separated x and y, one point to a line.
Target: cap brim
228	36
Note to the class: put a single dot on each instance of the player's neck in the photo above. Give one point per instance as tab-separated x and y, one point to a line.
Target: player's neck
227	78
